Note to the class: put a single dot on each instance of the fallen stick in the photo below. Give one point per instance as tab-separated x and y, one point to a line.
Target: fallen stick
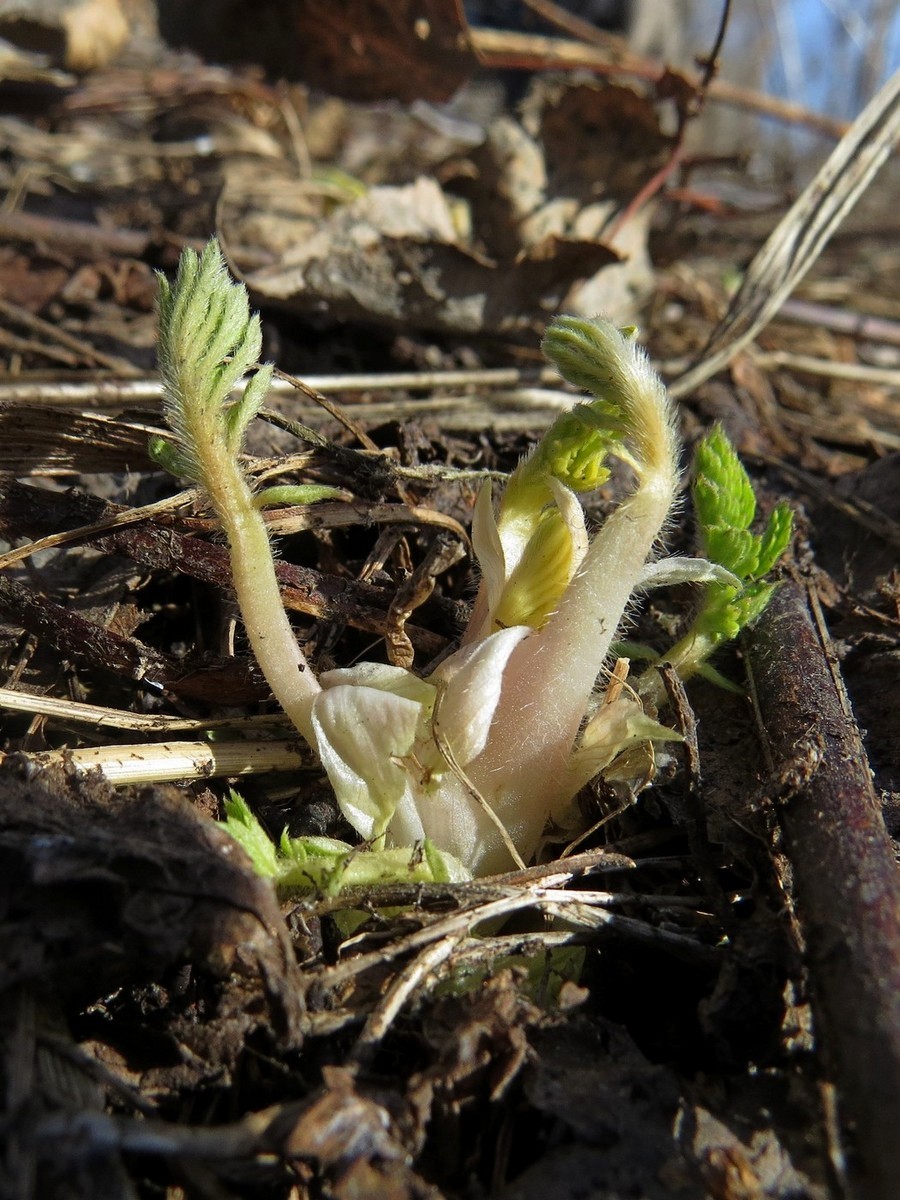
846	881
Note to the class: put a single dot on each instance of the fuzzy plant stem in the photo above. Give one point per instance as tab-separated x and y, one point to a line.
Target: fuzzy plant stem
207	342
269	631
550	676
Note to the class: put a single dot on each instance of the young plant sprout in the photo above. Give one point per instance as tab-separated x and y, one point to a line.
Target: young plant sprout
726	508
459	774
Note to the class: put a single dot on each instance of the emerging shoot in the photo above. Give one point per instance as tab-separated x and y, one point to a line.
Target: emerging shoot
725	507
461	773
207	343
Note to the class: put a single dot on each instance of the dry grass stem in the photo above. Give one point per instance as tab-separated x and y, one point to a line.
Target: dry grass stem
166	762
100	717
802	234
888	377
103	392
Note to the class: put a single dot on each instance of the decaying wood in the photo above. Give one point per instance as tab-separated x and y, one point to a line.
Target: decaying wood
98	889
845	875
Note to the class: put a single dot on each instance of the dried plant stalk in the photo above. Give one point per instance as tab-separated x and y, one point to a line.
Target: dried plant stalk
802	234
167	762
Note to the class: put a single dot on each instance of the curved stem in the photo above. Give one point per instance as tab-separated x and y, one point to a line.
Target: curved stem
271	636
550	676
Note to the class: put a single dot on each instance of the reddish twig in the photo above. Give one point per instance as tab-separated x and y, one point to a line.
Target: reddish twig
687	112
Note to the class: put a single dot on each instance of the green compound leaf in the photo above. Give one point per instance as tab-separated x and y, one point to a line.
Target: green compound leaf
245	828
718	621
325	865
752	602
723	494
776	538
207	342
736	549
725	506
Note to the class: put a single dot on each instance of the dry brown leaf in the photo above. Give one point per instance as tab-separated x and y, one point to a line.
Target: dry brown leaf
393	256
517	228
362	49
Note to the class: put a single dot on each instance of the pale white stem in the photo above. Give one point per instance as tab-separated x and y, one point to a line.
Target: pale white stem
550	676
269	631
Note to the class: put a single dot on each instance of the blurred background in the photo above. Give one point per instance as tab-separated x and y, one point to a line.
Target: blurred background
827	55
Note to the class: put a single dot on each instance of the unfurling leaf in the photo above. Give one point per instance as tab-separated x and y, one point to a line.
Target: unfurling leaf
725	505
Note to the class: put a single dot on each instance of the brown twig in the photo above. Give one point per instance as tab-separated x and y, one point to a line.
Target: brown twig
845	876
25	509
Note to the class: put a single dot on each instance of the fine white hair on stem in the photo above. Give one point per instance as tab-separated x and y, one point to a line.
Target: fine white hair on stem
207	342
551	676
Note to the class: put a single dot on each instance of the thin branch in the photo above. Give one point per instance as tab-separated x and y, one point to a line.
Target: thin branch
687	112
844	871
499	48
